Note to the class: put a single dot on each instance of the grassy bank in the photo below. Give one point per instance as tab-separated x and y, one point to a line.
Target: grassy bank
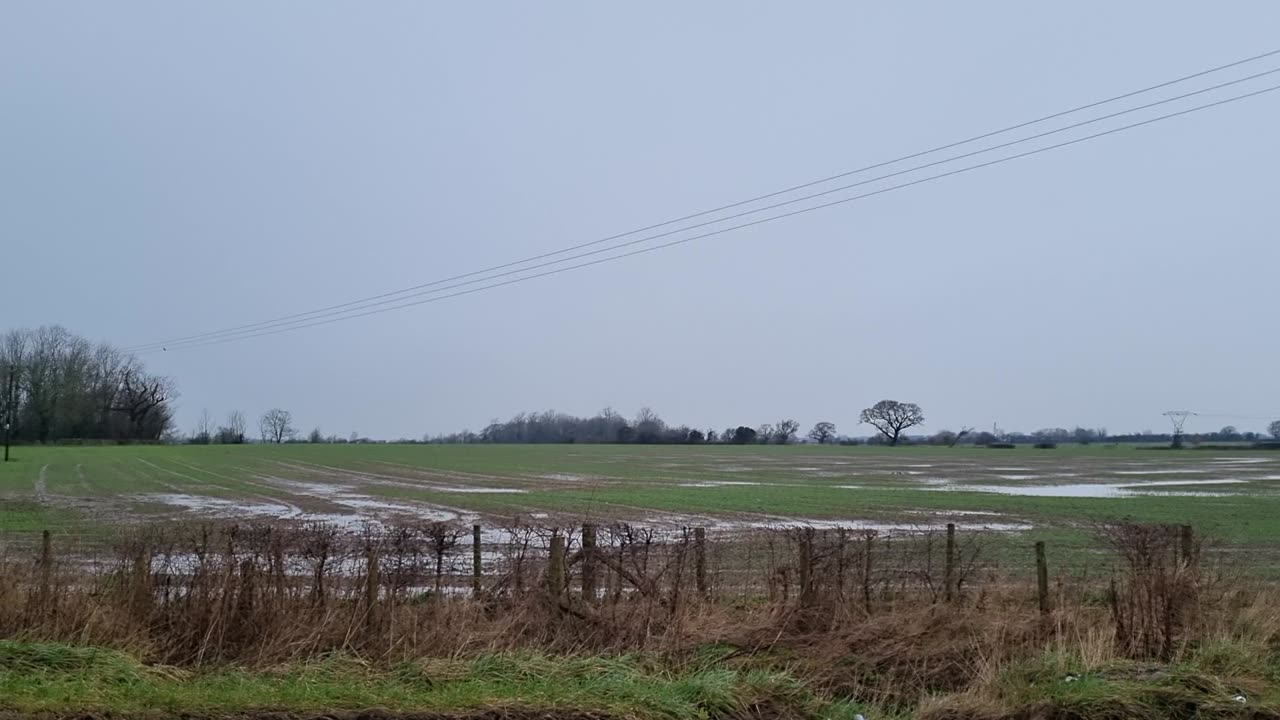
1216	681
64	680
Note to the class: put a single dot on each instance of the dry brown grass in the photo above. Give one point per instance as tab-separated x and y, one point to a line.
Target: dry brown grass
881	632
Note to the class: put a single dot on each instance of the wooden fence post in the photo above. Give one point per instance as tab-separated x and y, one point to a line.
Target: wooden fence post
806	567
589	579
46	569
555	569
700	560
477	564
866	572
278	568
951	561
1186	543
371	583
142	579
1042	577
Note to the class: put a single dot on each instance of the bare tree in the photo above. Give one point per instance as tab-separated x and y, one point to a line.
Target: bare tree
204	429
784	432
944	437
1274	429
316	436
145	400
823	432
277	426
891	417
649	427
764	433
233	432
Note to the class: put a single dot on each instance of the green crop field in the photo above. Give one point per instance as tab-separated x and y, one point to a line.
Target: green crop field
1231	495
739	652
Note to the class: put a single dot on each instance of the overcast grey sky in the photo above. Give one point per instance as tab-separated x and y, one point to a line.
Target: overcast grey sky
171	168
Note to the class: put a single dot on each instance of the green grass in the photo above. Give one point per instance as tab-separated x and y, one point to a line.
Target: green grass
63	680
44	678
637	482
1210	682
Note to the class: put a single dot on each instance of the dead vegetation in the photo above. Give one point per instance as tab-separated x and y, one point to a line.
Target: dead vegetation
886	620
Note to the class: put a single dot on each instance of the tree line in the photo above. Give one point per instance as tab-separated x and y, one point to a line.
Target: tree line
57	386
275	427
890	418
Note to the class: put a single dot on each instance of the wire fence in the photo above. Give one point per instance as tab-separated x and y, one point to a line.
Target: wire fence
200	592
782	563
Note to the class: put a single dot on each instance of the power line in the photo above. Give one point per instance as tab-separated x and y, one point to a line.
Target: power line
317	315
735	227
362	302
1231	416
720	231
365	305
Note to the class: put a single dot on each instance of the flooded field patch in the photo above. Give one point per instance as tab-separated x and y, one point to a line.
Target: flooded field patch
1089	490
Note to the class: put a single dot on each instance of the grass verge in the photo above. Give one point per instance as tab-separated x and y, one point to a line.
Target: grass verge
1217	680
62	680
54	680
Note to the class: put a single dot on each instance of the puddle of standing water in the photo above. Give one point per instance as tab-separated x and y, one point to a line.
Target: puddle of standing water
958	513
219	506
366	509
786	522
341	495
1092	490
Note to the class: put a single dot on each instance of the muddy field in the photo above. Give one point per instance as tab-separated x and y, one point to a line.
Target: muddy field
1232	496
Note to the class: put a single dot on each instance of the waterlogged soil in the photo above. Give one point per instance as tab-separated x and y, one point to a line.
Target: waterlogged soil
722	488
1099	490
330	495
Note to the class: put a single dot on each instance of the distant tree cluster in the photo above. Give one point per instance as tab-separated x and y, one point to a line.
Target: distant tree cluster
606	426
68	388
275	426
610	426
231	432
1083	436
